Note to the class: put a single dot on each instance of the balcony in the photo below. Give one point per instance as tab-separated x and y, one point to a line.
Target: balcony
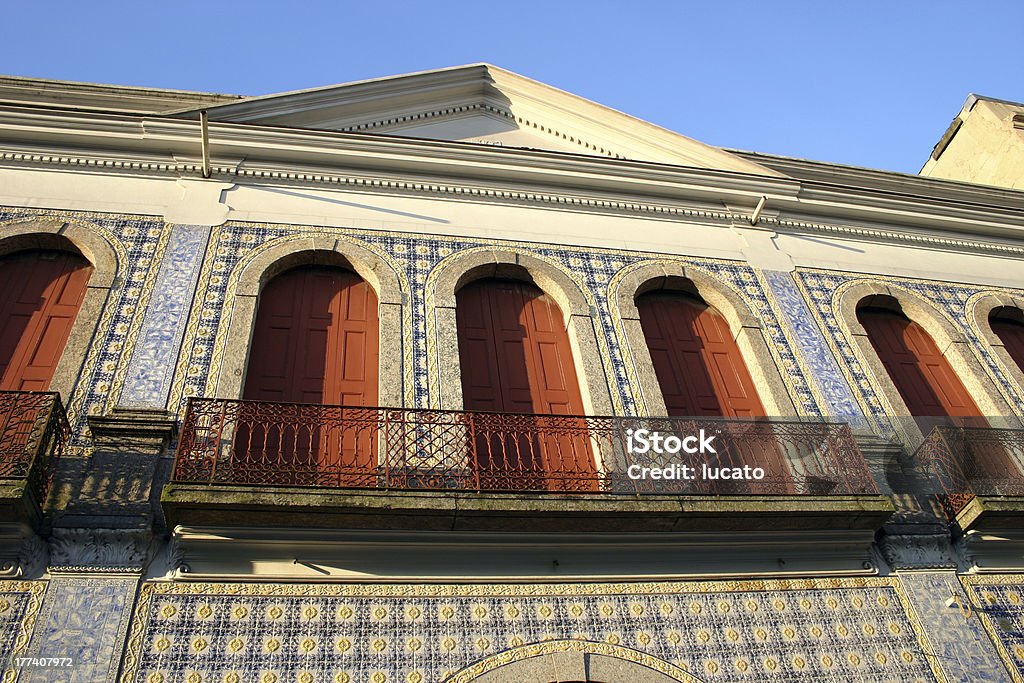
275	464
978	475
33	434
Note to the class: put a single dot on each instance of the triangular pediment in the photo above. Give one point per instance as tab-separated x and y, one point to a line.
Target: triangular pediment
481	104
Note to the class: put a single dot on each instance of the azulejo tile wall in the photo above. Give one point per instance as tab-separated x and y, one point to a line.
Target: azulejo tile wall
414	257
999	603
799	630
823	368
823	288
84	619
19	608
150	370
961	645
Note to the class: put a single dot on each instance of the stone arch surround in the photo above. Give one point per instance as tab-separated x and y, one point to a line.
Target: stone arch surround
86	240
281	255
577	660
468	266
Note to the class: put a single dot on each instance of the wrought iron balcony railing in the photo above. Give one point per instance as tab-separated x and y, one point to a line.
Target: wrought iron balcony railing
969	461
33	433
227	442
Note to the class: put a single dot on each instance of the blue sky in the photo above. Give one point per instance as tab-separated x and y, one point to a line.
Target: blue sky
864	83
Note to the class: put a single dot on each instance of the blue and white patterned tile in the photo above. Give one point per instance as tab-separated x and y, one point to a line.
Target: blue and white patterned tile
754	631
136	240
86	620
824	369
151	368
999	605
416	256
961	646
948	298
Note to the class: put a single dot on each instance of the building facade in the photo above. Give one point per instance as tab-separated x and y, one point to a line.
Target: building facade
345	385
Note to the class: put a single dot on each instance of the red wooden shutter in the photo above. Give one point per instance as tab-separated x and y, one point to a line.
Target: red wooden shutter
315	342
926	381
514	350
1011	333
699	367
516	357
40	294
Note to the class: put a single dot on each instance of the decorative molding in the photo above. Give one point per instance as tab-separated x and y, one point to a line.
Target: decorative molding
34	556
565	201
876	234
145	430
398	121
918	551
99	550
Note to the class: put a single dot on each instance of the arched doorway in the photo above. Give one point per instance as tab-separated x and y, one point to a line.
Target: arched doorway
516	357
933	393
40	294
315	342
702	373
1008	324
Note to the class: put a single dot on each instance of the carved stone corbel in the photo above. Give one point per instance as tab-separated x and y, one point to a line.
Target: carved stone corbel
99	550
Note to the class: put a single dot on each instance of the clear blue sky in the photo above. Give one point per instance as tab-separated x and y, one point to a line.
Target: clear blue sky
866	83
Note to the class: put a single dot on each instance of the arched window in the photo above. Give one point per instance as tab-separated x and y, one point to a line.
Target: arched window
516	357
924	378
1008	324
41	292
699	366
315	340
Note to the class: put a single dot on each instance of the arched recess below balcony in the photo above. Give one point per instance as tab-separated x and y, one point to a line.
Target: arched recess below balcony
316	251
572	660
949	341
744	325
52	234
464	268
986	312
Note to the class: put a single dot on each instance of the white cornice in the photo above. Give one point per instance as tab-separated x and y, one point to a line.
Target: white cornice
467	172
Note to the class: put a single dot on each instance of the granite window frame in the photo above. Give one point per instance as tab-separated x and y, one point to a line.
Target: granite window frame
979	315
949	339
462	268
279	257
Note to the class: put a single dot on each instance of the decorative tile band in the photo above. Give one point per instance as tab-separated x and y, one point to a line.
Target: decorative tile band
821	364
84	620
156	351
804	630
137	242
998	601
961	645
19	607
414	257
